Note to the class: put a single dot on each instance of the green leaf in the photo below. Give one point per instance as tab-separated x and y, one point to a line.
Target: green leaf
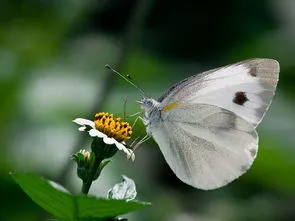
102	208
49	195
125	190
58	201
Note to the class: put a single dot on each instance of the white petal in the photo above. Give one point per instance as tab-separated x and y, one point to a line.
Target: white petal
130	154
83	128
109	140
82	121
96	133
120	146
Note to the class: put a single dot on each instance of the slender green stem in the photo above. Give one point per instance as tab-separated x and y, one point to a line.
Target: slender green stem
87	183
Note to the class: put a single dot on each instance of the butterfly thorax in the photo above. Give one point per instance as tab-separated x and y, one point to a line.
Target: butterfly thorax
151	109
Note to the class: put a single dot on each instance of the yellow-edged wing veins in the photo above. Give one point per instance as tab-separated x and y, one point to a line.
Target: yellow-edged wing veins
170	106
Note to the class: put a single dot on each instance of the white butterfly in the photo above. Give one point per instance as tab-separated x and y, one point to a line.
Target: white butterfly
205	124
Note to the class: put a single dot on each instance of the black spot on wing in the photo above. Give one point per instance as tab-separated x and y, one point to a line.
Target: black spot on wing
253	72
253	152
244	168
240	98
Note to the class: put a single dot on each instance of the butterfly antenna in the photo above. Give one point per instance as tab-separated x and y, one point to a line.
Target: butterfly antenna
125	104
126	78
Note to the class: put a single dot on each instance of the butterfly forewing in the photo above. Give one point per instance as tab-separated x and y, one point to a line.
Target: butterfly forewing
245	88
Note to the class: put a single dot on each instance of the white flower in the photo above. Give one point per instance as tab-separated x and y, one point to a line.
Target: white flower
93	132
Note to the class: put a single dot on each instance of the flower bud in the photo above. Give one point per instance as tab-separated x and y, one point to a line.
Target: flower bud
84	160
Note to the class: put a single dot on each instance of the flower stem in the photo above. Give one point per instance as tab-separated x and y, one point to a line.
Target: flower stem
93	172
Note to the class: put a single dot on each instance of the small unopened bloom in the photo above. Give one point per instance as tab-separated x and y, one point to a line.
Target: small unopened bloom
84	160
112	130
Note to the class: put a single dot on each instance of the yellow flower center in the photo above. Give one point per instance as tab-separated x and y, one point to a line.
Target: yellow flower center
112	127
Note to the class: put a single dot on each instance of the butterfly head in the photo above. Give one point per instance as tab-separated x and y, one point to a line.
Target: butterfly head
149	106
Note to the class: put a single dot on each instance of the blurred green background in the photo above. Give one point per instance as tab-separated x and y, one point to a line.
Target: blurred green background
52	57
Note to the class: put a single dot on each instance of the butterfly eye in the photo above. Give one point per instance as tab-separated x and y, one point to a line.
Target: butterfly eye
143	101
147	103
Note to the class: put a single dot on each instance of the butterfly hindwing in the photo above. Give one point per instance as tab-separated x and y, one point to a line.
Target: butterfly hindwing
206	146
